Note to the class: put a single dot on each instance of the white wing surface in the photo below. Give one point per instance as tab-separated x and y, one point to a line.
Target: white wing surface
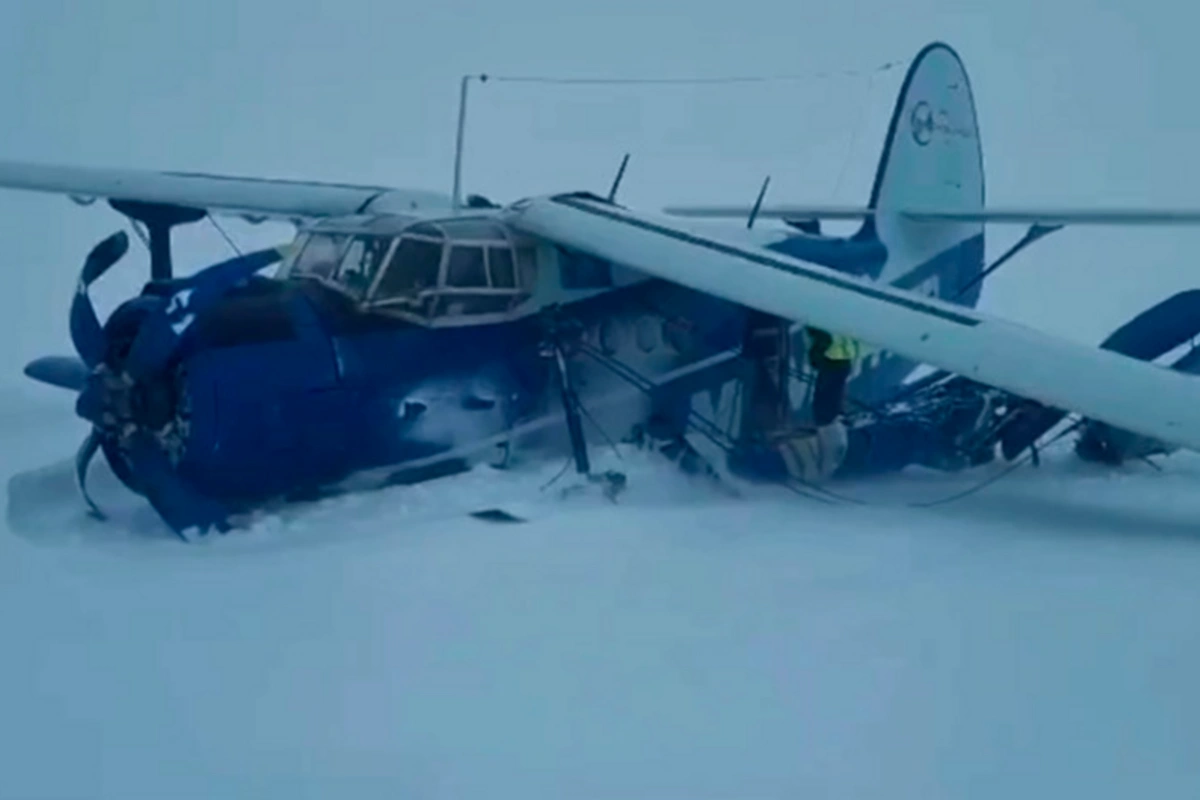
1130	394
218	193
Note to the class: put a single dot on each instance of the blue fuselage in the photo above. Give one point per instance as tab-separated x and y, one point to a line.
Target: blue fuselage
288	386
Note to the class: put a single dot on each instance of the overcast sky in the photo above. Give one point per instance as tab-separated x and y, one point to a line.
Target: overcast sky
1088	103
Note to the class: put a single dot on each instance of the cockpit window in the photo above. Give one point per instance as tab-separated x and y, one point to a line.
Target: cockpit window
361	263
413	268
455	268
500	266
526	266
465	267
320	255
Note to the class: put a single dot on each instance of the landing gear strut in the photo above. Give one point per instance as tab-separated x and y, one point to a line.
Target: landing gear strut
613	481
570	402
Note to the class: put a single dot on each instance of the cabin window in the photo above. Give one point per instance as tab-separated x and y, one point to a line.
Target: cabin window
582	271
465	268
500	266
527	267
361	262
414	267
320	255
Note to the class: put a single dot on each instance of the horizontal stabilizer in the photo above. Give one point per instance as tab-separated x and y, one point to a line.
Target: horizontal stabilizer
1045	216
1139	396
771	212
251	197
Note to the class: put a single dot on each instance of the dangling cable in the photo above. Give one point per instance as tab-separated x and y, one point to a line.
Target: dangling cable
1011	468
728	79
141	233
558	476
221	230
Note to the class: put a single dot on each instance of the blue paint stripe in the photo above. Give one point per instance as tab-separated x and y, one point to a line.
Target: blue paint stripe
912	304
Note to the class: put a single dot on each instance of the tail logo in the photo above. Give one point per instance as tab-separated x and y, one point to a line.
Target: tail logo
921	121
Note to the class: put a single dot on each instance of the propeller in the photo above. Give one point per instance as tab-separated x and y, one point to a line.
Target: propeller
87	335
124	377
64	372
83	459
86	332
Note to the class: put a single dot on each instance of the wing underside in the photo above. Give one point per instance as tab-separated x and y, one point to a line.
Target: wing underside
1103	385
249	197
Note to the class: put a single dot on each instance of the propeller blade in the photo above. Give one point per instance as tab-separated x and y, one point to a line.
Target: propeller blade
90	403
86	332
83	460
106	253
162	331
65	372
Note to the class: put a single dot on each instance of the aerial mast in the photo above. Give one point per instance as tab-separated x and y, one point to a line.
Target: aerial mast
456	192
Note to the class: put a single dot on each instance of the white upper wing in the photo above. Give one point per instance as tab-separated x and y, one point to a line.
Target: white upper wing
218	193
1043	216
1135	395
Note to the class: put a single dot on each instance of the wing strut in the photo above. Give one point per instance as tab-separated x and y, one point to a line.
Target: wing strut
1036	231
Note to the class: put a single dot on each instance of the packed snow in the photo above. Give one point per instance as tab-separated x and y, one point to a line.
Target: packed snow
1035	636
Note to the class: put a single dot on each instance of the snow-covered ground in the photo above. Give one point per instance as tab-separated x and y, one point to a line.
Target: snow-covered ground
1037	637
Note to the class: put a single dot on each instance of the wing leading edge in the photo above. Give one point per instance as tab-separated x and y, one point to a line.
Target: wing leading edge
253	197
1121	391
1031	216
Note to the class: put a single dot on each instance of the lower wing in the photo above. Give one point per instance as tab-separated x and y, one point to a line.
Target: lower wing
1130	394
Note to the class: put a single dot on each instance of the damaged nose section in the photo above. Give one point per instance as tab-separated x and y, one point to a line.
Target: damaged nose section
115	403
141	427
130	383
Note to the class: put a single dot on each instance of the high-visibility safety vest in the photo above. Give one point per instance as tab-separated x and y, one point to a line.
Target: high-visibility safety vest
839	348
842	348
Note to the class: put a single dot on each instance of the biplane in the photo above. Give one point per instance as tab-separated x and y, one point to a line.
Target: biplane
403	333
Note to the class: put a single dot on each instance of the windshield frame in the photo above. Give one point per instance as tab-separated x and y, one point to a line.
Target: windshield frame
428	305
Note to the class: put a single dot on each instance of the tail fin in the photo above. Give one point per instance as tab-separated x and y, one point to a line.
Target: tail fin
932	157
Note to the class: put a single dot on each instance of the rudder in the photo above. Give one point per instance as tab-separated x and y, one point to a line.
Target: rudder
932	158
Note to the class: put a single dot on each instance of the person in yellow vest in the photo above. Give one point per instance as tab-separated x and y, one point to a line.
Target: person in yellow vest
832	359
816	456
